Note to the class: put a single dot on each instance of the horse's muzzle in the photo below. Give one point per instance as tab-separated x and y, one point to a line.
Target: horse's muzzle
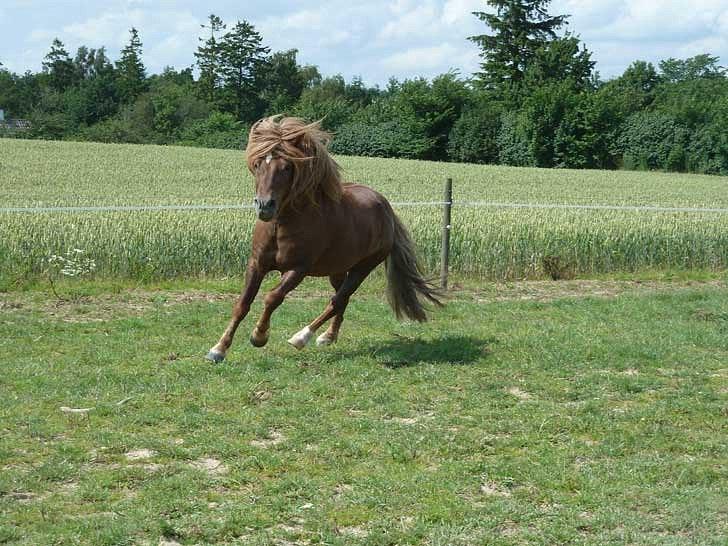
265	208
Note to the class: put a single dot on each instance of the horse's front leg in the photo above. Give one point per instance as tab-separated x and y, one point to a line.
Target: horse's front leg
289	281
253	277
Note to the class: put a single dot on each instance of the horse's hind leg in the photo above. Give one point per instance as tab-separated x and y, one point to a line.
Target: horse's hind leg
330	336
339	301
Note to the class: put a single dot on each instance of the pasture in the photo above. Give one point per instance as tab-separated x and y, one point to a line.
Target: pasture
522	414
589	411
487	243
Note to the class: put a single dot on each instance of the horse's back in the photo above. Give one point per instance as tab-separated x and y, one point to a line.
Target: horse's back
364	196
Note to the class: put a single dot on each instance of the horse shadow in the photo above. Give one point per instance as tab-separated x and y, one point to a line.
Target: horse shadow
403	351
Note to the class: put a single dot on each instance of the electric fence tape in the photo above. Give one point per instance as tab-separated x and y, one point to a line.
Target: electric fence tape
484	204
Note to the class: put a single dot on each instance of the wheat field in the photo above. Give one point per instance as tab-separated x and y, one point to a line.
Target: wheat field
487	242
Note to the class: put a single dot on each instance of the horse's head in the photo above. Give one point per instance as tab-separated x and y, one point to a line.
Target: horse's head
273	180
291	165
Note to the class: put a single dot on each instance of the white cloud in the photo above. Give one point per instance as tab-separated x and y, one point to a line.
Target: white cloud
303	20
164	34
456	11
376	39
711	44
619	32
422	20
110	28
41	35
421	59
305	27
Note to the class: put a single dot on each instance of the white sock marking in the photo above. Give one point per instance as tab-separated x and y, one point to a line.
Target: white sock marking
301	339
324	339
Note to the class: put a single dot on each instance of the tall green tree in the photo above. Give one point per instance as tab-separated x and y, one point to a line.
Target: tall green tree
285	80
82	62
558	60
703	66
96	97
519	28
131	74
243	64
208	60
327	101
59	67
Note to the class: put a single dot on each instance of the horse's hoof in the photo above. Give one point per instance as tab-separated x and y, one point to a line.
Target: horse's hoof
324	340
301	339
214	356
258	340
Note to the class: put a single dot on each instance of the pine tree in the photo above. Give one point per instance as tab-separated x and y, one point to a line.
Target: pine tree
131	74
208	60
243	60
520	28
59	67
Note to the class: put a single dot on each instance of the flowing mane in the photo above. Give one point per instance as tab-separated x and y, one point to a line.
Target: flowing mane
316	175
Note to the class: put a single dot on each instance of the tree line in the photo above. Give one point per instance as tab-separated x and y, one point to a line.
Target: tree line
537	100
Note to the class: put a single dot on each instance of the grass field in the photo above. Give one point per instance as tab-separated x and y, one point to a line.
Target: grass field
582	412
488	243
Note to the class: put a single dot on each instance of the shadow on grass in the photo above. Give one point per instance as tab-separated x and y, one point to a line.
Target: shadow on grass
404	351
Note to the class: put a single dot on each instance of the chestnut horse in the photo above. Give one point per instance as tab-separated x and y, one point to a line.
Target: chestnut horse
310	223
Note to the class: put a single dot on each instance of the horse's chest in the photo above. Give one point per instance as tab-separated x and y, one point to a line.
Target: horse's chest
296	251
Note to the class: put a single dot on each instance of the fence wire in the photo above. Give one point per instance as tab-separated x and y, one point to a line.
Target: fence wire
484	204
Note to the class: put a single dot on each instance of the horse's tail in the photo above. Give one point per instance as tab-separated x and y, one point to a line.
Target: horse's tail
406	286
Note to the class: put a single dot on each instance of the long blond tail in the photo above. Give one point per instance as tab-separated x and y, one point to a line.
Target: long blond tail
406	286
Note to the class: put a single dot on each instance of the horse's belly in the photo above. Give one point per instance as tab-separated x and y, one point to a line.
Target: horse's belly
333	264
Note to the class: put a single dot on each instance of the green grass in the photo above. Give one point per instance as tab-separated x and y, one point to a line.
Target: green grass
579	420
488	243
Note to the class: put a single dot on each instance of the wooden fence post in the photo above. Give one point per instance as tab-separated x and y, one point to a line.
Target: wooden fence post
446	216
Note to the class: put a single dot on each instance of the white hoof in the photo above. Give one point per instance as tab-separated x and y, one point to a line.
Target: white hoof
301	339
324	339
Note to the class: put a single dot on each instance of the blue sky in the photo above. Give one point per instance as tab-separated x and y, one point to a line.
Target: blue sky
375	39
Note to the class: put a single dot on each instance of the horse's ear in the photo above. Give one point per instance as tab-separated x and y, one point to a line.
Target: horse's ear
304	142
255	125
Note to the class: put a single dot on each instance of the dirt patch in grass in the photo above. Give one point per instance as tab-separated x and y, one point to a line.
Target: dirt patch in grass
274	438
25	496
139	454
545	291
136	302
211	466
493	489
416	418
354	531
519	393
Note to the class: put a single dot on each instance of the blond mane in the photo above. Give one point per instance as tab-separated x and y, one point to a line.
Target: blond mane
316	175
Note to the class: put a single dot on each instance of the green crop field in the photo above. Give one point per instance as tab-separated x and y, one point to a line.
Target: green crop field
487	242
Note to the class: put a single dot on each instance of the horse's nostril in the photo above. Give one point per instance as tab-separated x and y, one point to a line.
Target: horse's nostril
264	203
